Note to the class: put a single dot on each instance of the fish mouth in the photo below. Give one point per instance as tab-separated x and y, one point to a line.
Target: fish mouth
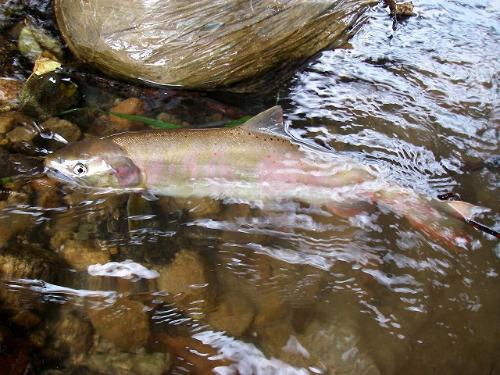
59	176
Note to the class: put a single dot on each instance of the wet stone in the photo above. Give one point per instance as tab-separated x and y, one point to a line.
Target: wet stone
125	323
9	92
28	45
67	130
233	314
195	207
81	254
172	119
47	95
26	262
190	354
46	193
12	224
130	106
11	119
70	337
334	343
22	134
129	363
187	281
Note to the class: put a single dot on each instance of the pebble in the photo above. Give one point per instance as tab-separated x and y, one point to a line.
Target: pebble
130	106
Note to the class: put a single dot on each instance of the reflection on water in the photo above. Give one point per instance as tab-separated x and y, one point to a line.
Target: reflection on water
121	285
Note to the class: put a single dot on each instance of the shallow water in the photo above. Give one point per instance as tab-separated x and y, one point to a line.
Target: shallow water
286	289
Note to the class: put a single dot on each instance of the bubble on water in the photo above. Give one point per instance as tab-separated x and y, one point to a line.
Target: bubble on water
127	269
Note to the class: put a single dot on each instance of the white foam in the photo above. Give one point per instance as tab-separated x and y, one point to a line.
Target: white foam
126	270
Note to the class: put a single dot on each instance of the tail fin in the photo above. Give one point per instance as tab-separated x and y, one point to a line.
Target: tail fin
439	220
467	212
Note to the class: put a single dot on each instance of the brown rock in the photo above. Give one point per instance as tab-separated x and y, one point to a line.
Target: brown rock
22	134
400	10
81	254
125	323
200	358
11	224
9	120
233	315
70	337
187	281
130	106
46	193
129	363
26	262
69	131
270	310
196	207
172	119
9	91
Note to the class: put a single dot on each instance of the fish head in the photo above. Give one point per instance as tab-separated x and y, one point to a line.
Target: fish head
94	163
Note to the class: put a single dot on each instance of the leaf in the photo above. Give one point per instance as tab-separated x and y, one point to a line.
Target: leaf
6	180
237	122
154	123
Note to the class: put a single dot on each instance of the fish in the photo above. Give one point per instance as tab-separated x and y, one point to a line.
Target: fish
255	163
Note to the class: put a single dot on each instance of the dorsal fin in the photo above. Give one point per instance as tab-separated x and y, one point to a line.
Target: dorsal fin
269	121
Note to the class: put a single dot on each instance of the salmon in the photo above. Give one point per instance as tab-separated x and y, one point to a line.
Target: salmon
253	163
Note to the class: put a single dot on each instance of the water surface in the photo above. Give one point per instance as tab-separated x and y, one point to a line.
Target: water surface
286	289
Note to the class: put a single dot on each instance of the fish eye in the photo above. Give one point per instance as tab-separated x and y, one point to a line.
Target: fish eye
80	169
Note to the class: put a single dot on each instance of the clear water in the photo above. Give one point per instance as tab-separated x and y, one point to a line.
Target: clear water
285	290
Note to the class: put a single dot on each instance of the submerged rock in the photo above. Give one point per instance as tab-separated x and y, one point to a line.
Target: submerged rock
234	315
81	254
25	262
67	130
327	344
48	94
125	323
188	283
129	363
9	93
70	337
204	44
130	106
195	207
12	223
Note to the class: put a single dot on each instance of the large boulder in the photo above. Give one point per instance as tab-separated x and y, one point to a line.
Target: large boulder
203	44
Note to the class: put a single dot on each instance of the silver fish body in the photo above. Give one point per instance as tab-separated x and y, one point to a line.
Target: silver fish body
250	163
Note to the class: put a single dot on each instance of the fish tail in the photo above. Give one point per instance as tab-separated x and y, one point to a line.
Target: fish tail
438	220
